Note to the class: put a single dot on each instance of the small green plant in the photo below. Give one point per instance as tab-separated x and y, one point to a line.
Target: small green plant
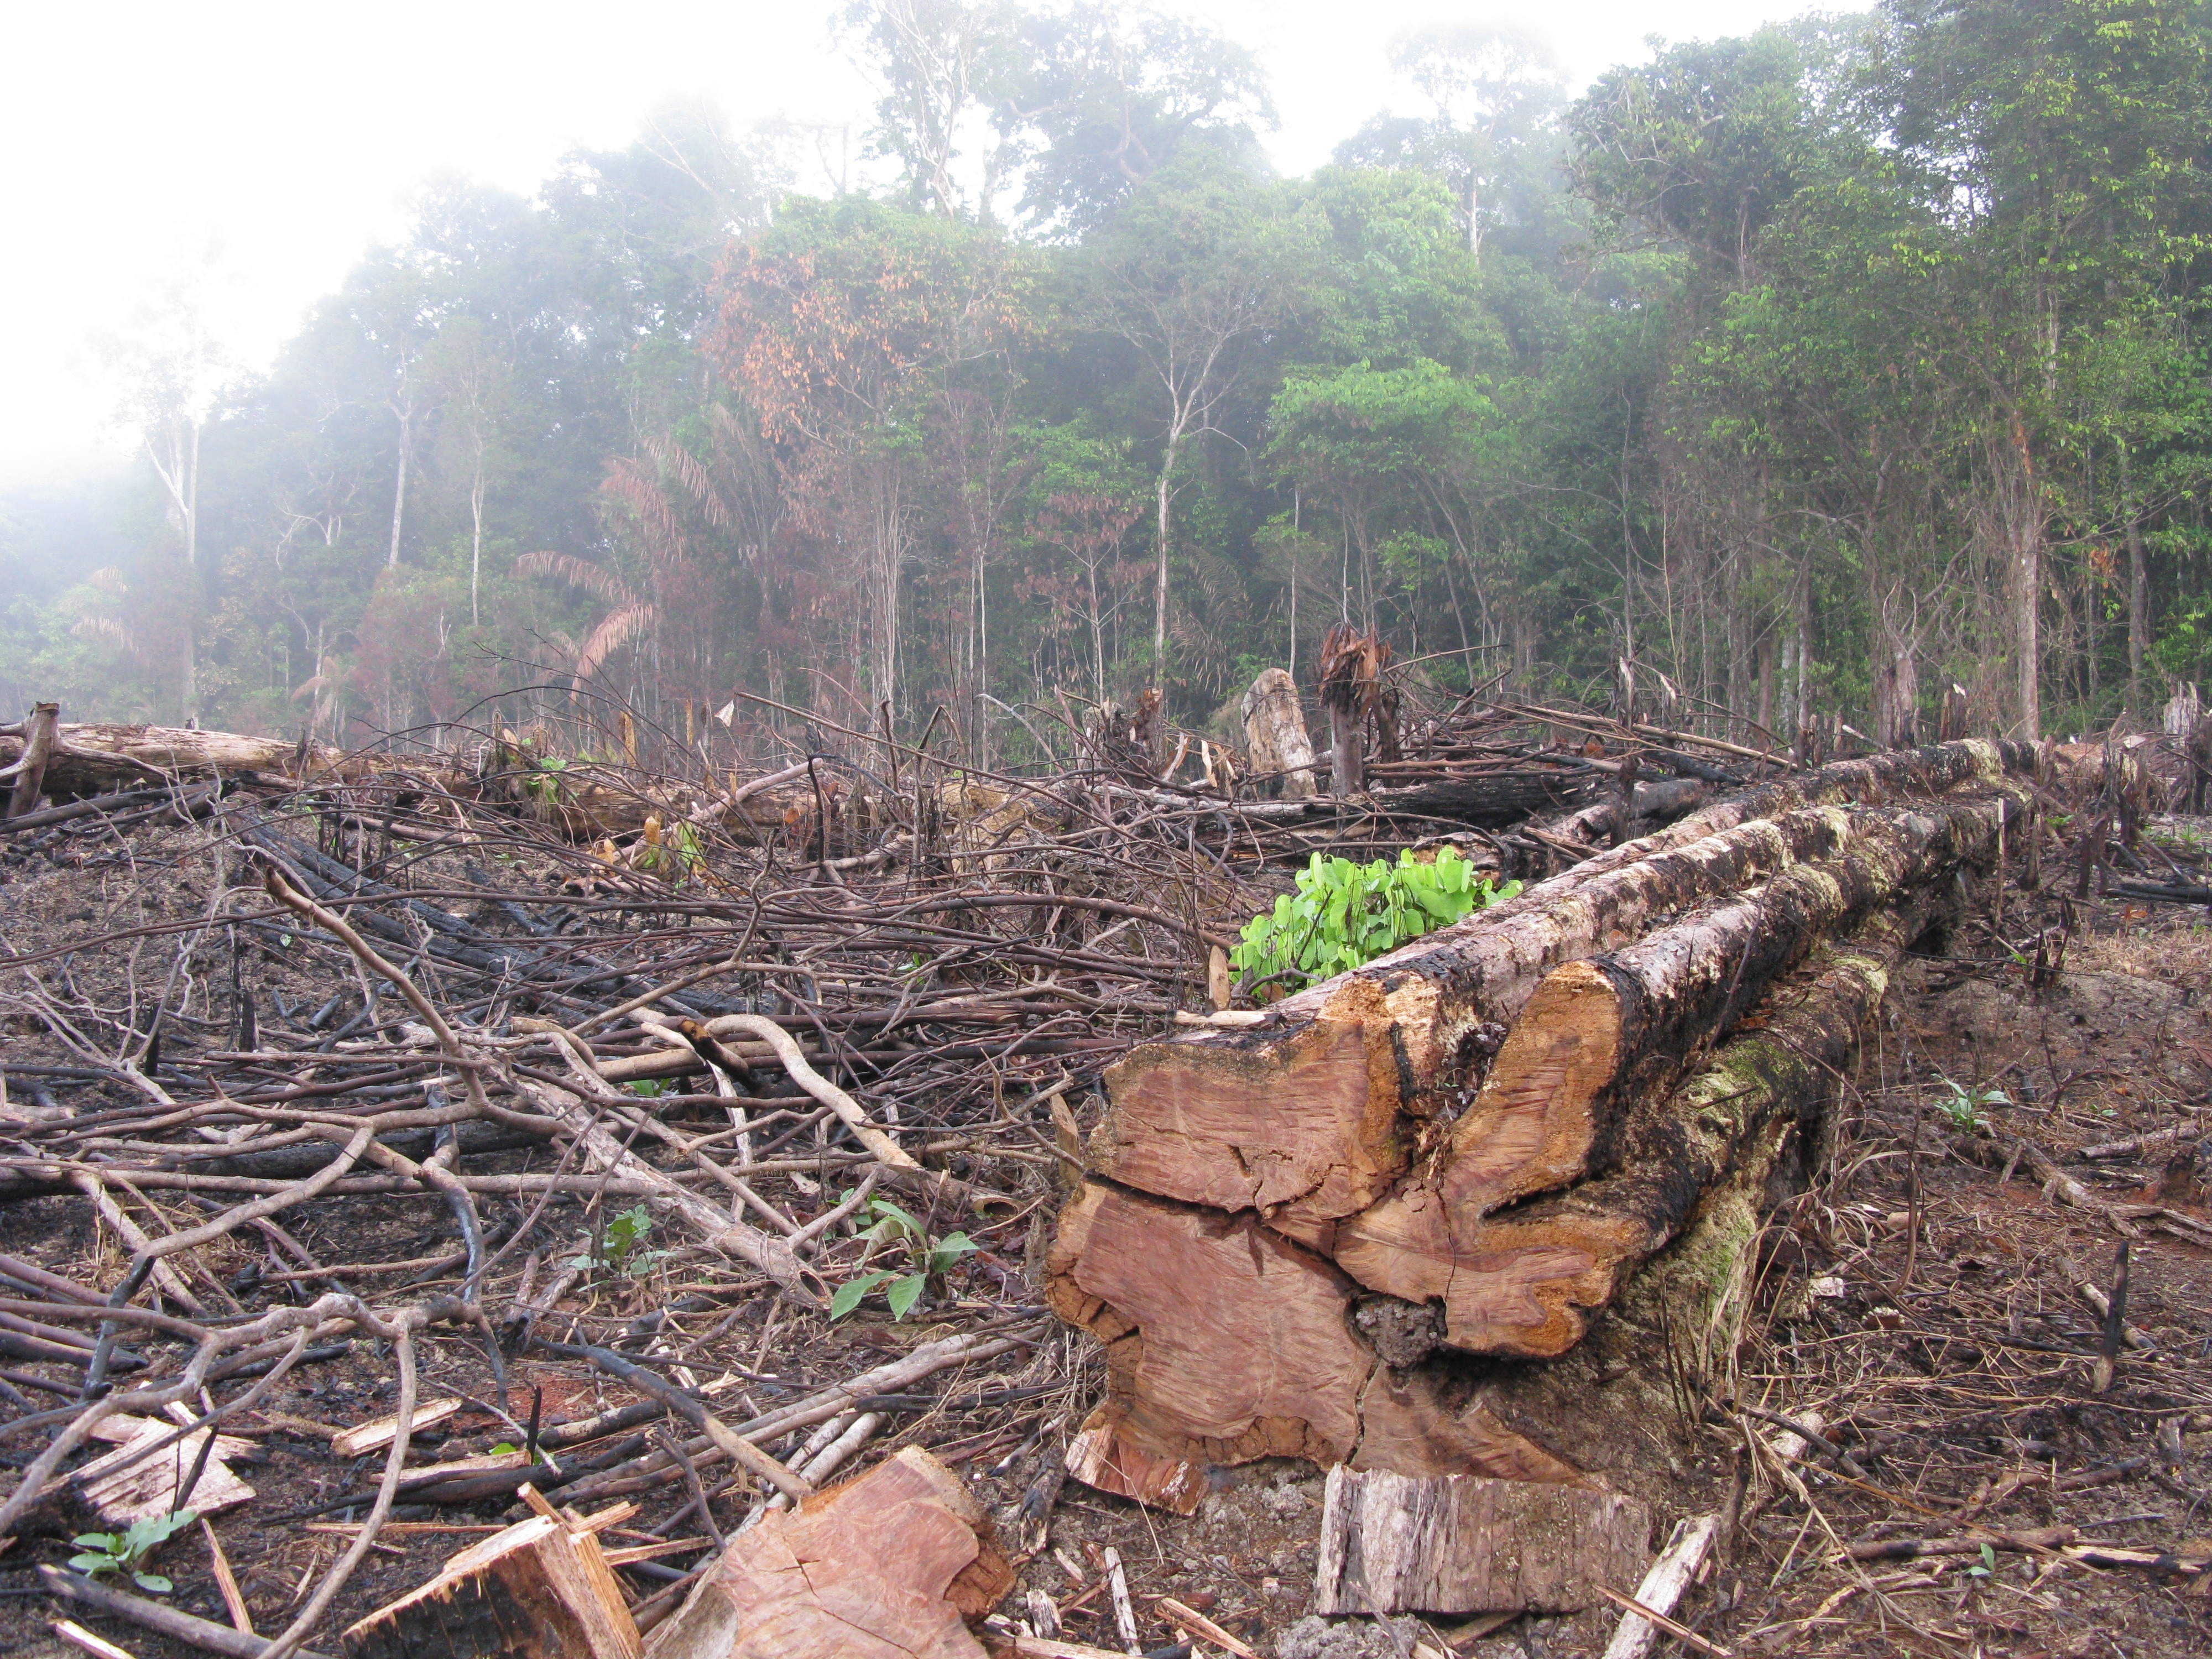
649	1087
614	1248
674	853
1963	1106
1346	915
925	1257
542	781
1989	1564
123	1551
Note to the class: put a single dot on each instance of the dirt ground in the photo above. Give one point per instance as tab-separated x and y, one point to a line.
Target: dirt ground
1922	1299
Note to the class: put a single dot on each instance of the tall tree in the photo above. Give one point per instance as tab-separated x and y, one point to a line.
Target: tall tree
1190	272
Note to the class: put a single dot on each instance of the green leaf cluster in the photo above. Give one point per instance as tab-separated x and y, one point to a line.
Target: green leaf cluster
123	1551
616	1249
927	1257
1344	916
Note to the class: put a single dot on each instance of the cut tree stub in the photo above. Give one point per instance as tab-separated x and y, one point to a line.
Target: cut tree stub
892	1564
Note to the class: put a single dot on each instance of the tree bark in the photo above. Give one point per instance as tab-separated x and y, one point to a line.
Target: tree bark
1460	1544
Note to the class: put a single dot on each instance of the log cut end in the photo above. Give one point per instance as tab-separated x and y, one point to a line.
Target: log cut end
1226	1343
1182	1123
891	1566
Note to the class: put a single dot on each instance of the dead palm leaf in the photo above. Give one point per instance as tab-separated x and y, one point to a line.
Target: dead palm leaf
95	627
593	578
620	628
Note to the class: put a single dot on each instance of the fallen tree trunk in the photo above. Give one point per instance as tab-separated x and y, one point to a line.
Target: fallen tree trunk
1520	1281
1605	1032
1312	1114
1282	1249
1226	1341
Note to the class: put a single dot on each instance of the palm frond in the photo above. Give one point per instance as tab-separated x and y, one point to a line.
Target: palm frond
594	579
696	479
617	630
95	627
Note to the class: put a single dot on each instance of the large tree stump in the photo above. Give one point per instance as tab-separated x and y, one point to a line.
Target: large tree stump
1275	732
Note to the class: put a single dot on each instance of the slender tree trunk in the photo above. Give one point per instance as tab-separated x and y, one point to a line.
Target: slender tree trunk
475	543
2138	589
400	484
2020	521
1160	583
189	690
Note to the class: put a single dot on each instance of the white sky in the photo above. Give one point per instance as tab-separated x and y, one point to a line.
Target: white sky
294	134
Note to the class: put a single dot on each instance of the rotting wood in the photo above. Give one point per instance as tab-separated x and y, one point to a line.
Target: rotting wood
894	1565
1458	1544
541	1589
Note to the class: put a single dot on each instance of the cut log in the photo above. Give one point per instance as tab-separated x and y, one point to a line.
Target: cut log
895	1565
539	1590
1313	1115
1281	1244
1521	1281
1457	1544
1601	1034
1275	730
1226	1342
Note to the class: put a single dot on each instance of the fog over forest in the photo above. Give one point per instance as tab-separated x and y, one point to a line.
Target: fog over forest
1813	372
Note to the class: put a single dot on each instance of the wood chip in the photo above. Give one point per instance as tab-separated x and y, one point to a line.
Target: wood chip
374	1436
